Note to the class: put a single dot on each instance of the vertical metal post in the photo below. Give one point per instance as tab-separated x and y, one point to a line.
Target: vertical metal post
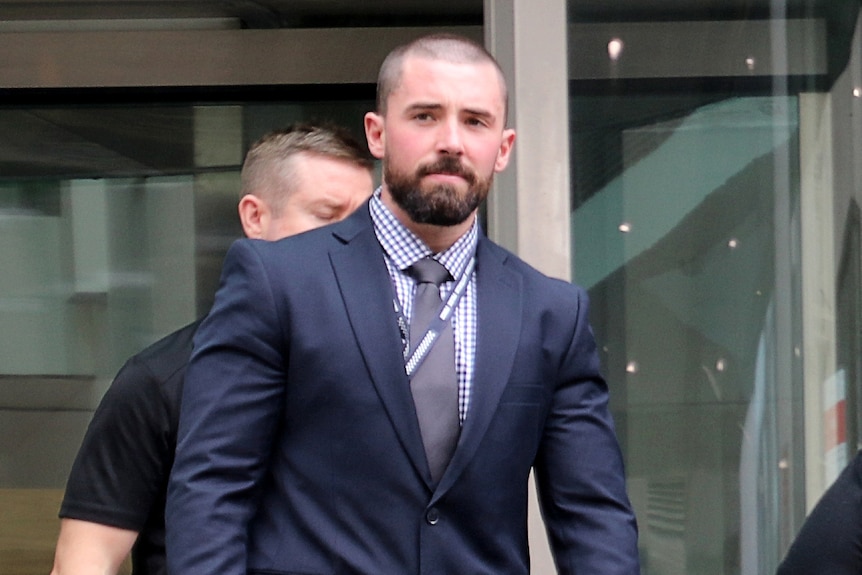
528	210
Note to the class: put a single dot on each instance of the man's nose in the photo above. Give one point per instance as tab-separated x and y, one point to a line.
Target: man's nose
450	137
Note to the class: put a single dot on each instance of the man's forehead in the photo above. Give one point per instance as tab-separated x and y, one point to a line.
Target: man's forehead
424	75
413	62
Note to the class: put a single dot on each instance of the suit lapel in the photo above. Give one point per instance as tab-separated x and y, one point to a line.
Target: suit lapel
499	329
365	286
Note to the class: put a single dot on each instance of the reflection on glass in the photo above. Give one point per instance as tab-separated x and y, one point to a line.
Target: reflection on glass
739	294
674	296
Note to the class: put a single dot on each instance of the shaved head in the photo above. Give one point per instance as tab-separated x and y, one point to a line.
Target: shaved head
445	47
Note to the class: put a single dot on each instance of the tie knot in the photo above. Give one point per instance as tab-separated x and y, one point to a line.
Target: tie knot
429	270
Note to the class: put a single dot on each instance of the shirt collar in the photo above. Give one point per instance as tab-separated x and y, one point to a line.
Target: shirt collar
405	248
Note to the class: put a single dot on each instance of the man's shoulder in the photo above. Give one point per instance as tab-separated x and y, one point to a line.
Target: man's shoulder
151	381
529	274
164	358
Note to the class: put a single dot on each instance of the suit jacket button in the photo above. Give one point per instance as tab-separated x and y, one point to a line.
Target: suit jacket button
432	517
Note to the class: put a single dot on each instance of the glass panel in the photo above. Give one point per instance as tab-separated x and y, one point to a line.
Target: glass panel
715	224
113	224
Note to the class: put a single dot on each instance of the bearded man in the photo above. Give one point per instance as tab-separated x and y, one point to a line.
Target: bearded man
370	398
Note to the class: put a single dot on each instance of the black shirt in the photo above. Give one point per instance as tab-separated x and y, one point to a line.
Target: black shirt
121	472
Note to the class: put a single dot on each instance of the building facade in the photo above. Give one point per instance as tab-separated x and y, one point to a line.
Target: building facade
695	165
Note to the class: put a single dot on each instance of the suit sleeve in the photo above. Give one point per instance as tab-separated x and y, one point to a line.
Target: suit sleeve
232	402
579	468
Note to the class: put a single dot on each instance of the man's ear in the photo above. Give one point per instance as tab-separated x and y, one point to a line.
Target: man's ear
252	214
505	151
374	134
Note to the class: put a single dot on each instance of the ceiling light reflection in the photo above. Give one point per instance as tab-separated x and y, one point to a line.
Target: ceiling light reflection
615	49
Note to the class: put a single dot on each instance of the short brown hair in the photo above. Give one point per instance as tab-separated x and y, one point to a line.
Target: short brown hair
277	150
443	46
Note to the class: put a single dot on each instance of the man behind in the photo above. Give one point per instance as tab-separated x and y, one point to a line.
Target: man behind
315	439
830	539
292	181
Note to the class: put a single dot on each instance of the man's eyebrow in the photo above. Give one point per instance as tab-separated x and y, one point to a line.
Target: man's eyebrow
423	106
479	112
428	106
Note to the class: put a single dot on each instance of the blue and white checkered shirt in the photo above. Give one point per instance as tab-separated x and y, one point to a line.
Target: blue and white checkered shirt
401	250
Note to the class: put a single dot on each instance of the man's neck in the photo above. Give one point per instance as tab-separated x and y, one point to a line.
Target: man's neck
438	238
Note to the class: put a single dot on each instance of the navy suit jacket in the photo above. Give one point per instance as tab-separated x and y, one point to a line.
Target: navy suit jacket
299	451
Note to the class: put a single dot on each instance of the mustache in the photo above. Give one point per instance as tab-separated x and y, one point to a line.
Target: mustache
448	165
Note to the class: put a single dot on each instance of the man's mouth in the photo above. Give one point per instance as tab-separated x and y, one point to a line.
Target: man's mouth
447	171
446	176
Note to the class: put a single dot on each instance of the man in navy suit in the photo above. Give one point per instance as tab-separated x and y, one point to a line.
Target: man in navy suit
300	445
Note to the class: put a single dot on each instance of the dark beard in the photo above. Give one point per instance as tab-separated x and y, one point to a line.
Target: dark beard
439	205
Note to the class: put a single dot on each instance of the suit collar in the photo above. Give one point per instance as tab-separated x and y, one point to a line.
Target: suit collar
499	293
367	292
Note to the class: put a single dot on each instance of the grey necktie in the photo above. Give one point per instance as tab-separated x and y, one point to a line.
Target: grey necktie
435	383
